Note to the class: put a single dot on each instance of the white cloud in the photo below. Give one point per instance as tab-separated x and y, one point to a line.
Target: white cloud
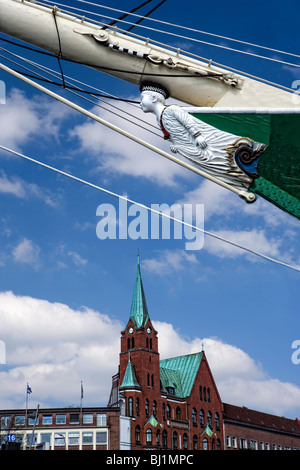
119	155
26	252
54	348
169	262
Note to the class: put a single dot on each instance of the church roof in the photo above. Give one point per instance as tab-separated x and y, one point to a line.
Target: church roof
130	379
139	311
179	373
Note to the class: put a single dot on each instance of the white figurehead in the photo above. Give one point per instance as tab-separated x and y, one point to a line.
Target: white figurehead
208	147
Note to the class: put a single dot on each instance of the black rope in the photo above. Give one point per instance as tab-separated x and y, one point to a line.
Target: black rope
59	56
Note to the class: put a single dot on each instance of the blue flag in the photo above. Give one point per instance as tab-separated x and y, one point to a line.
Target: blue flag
29	390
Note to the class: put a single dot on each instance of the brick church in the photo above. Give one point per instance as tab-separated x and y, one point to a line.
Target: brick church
173	403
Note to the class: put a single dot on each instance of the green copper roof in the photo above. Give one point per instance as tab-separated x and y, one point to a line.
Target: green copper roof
180	373
130	379
139	311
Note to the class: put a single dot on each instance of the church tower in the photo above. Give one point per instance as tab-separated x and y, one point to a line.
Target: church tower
139	373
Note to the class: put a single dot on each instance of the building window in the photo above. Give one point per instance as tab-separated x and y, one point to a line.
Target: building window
175	440
178	413
148	380
185	441
137	435
128	343
73	438
158	437
147	343
154	409
101	419
130	406
253	445
218	444
164	438
60	439
33	420
209	419
47	419
205	444
20	420
5	422
200	392
132	343
46	438
31	440
171	390
194	417
195	442
234	442
137	406
201	416
147	407
217	422
101	437
152	380
87	438
60	419
204	393
149	436
74	418
88	418
228	441
168	412
164	411
243	443
208	394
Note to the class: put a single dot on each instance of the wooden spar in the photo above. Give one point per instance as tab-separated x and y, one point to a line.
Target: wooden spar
87	43
248	196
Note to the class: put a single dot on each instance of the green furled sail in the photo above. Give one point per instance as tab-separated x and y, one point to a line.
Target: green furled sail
278	168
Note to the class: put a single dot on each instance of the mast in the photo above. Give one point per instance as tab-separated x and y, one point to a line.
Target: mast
132	59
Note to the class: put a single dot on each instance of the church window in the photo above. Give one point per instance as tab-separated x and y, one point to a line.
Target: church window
132	343
137	405
194	417
137	435
154	409
158	437
175	440
164	438
164	411
130	406
200	392
147	342
208	394
195	442
205	444
201	415
204	393
217	421
185	441
152	380
149	436
209	419
168	412
128	343
147	407
148	380
178	413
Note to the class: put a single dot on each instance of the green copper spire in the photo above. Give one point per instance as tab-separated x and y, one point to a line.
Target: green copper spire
139	311
130	379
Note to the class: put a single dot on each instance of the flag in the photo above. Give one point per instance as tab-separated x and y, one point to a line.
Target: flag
81	390
276	175
29	391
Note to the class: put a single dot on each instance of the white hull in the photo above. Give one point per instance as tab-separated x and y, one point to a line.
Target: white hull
85	42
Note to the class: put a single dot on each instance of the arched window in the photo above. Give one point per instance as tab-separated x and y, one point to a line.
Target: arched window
147	343
178	413
185	441
175	440
204	393
132	343
194	417
137	435
209	419
147	407
137	406
164	411
158	437
218	444
149	436
205	444
130	406
208	394
154	409
168	412
152	380
217	421
195	442
148	380
200	392
164	438
201	416
128	343
150	343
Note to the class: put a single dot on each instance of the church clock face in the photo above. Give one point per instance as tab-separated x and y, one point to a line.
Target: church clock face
148	330
130	330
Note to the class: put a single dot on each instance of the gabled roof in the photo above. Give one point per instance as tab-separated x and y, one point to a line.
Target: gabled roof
139	311
180	373
130	380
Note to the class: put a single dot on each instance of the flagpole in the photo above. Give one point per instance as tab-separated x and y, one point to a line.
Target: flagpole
81	397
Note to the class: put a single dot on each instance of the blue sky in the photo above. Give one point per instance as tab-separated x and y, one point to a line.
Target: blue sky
65	294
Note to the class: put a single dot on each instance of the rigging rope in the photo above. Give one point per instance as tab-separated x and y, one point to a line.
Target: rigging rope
149	209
